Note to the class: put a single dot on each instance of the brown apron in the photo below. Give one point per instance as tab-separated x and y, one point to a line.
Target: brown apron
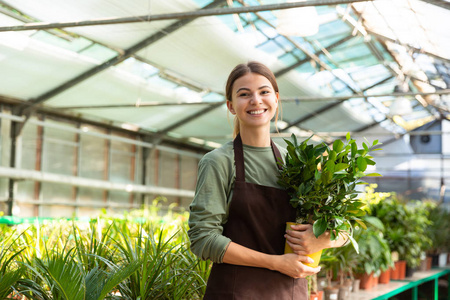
257	220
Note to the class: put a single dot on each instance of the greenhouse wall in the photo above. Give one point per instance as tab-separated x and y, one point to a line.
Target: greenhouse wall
74	150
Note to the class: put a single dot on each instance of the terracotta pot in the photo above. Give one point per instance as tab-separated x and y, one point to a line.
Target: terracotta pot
385	277
356	284
331	293
315	256
316	296
395	271
402	269
429	262
366	281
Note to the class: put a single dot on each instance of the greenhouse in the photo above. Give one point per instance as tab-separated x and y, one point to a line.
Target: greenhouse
108	108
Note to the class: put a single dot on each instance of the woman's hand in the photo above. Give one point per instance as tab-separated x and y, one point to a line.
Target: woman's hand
303	241
292	265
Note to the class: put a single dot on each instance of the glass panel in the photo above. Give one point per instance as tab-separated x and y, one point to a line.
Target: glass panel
92	155
99	52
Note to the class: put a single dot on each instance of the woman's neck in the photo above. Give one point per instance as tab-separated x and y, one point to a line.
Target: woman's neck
256	138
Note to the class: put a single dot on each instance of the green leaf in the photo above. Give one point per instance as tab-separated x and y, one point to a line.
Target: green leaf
362	164
340	166
348	136
374	175
338	145
319	227
354	243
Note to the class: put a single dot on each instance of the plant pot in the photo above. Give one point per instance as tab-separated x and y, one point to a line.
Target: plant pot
402	269
331	293
434	260
395	271
366	281
344	292
316	296
385	277
429	262
442	260
409	271
315	256
321	283
356	284
423	265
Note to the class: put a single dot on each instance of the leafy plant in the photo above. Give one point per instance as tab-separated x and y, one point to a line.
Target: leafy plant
322	183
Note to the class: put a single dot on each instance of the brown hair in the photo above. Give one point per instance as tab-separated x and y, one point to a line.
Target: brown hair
241	70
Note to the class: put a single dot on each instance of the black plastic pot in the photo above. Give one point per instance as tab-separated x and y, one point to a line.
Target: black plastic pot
409	271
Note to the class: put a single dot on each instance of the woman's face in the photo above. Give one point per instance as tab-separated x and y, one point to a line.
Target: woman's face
254	101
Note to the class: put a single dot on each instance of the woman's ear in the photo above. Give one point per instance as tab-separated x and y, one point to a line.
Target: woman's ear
230	107
277	95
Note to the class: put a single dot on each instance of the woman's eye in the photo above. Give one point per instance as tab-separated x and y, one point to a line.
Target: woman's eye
243	95
264	92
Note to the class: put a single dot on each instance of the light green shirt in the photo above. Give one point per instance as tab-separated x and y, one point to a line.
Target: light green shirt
214	190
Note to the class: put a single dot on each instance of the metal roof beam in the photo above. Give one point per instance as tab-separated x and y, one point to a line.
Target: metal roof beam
206	11
301	99
440	3
328	107
301	62
385	38
113	61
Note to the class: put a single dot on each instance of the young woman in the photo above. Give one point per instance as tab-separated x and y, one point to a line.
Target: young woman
238	215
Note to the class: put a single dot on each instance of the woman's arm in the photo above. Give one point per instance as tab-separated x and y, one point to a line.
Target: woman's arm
303	241
288	264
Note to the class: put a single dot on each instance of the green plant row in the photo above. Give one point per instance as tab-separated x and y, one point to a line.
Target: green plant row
102	259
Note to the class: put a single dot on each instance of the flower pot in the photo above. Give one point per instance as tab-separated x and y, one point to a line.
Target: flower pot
402	269
321	283
423	265
316	296
435	260
366	281
429	262
344	292
442	260
331	293
385	277
409	271
315	256
395	271
356	284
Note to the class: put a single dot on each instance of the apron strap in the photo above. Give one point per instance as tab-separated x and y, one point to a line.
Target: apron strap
239	157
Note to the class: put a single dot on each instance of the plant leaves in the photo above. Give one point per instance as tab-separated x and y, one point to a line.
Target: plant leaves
319	227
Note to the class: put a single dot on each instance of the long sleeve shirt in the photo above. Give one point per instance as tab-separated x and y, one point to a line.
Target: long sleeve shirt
214	191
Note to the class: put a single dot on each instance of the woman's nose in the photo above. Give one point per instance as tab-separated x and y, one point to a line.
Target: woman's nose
256	98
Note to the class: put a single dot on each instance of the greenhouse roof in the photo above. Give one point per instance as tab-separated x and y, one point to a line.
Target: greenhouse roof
159	67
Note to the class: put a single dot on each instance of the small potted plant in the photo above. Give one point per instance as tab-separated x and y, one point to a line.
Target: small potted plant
321	182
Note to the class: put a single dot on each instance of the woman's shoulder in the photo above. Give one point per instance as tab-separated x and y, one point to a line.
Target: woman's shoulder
220	156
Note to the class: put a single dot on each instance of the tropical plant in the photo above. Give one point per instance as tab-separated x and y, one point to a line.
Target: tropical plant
406	224
103	258
439	229
321	182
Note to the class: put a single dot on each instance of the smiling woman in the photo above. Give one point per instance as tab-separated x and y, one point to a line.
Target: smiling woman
237	218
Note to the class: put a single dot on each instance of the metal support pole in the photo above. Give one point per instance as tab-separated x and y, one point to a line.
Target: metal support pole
182	15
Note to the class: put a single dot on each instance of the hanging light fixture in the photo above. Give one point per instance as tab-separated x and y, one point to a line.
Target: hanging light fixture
302	21
401	106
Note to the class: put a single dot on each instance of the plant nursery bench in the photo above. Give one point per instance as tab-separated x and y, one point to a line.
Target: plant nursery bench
414	285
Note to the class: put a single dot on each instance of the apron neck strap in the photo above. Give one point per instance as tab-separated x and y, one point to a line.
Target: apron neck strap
239	157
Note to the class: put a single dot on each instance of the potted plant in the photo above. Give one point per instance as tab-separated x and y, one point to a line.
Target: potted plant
438	231
374	253
322	184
